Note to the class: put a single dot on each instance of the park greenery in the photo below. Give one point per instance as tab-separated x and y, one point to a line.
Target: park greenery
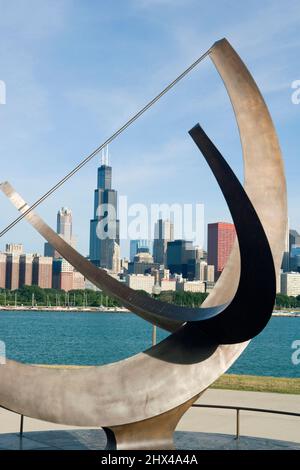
253	383
287	301
36	296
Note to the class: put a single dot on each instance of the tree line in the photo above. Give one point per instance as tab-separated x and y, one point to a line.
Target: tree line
287	301
37	296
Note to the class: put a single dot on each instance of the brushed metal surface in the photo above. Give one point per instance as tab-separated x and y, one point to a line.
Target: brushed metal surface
153	433
177	369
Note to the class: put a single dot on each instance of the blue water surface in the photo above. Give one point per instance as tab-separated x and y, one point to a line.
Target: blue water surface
99	338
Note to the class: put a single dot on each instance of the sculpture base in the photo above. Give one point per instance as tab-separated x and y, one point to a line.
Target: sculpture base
150	434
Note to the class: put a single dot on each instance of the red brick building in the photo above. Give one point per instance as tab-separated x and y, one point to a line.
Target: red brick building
2	270
220	239
42	271
12	271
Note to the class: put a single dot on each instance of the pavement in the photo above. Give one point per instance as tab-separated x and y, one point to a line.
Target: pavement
94	439
252	424
200	428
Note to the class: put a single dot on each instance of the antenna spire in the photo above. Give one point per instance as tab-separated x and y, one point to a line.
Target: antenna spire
107	156
104	159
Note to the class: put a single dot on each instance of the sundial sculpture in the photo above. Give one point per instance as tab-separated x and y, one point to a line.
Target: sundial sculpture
139	401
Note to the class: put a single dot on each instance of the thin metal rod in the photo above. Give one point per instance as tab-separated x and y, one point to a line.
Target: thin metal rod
153	335
21	425
237	435
246	408
108	141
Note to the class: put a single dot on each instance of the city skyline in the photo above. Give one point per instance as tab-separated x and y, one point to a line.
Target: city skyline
220	239
62	118
105	222
104	225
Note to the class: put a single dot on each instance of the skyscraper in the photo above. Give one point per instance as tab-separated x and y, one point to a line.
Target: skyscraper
220	239
64	223
285	264
163	233
204	271
182	258
104	227
115	258
294	251
63	273
64	230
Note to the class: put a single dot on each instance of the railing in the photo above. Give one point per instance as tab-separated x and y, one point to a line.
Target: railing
198	405
21	419
245	408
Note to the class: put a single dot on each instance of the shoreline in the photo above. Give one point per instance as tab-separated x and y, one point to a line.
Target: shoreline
65	309
25	308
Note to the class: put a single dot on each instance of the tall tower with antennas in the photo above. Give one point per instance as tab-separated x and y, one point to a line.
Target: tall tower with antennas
104	226
104	159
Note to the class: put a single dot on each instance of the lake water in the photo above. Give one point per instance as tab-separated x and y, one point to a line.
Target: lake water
94	338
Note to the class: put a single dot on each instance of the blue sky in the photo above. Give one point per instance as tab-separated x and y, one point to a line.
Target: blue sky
75	70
